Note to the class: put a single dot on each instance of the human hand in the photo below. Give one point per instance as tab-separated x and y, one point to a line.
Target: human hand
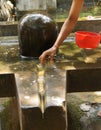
48	54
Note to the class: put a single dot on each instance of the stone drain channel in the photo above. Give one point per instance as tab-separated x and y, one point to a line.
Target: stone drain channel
32	96
34	93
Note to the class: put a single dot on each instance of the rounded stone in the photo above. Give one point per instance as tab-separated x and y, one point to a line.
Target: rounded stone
37	33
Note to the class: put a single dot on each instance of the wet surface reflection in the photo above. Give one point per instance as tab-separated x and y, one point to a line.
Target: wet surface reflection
68	56
10	61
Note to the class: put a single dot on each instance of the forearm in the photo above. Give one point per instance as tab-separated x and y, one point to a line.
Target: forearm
65	31
70	22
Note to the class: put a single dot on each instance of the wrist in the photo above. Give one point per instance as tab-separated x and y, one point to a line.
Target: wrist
55	46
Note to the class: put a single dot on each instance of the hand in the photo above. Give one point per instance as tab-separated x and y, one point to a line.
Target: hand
50	53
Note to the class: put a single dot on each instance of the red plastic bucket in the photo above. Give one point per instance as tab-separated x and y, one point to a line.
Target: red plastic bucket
87	40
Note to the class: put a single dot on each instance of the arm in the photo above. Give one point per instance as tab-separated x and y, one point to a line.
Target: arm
70	21
65	30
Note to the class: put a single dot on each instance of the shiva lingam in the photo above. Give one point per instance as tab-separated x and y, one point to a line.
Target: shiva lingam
37	33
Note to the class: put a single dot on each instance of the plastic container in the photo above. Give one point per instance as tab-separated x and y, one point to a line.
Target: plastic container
87	40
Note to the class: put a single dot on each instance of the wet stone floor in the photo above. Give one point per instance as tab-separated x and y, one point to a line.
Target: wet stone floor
28	72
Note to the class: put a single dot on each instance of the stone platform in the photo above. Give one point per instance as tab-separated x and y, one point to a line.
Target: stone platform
26	74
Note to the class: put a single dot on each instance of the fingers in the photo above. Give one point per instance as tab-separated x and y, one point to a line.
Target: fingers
42	59
51	57
45	56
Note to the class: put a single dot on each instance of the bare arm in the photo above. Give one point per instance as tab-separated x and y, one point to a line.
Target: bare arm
65	30
70	21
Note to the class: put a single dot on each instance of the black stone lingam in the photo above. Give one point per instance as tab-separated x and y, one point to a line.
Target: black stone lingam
37	33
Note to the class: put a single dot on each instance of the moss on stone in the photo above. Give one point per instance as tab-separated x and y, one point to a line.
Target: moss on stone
74	112
9	115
